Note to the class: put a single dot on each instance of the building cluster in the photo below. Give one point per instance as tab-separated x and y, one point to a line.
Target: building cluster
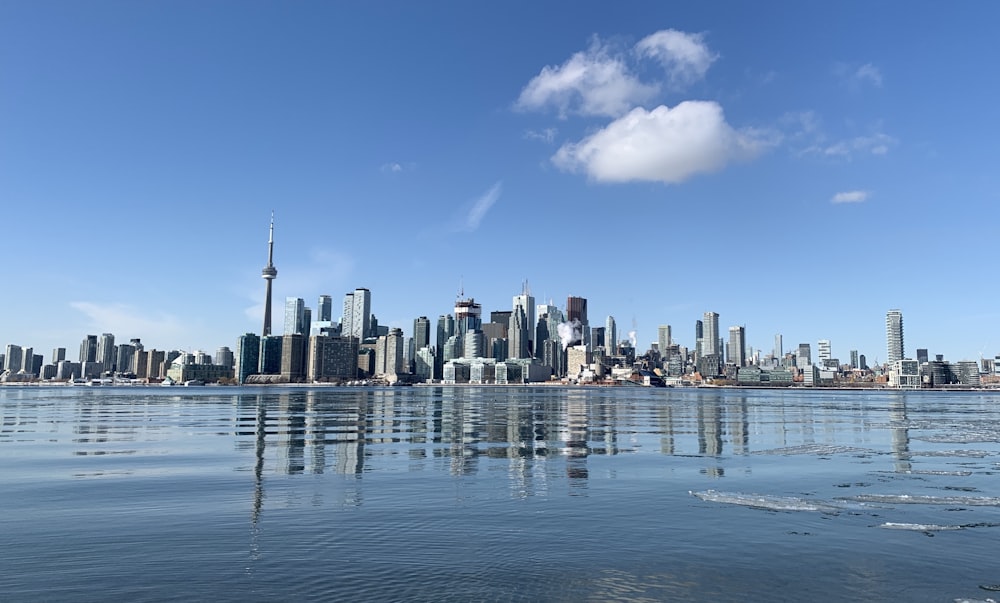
101	358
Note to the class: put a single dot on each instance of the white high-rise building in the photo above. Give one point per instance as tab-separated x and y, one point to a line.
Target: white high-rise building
894	335
737	346
611	336
526	302
663	339
824	350
106	352
356	321
710	334
295	312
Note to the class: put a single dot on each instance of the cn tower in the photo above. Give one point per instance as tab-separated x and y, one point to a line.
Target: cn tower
269	273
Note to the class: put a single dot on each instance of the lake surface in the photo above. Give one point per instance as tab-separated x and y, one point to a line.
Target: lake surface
498	494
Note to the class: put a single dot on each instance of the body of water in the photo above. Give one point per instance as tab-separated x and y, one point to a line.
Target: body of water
498	494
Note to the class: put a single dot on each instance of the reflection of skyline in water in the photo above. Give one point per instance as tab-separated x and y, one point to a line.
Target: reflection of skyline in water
541	432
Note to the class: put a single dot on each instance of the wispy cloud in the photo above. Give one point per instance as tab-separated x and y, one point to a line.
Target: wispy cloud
850	197
547	135
855	76
869	73
129	321
874	144
395	167
480	206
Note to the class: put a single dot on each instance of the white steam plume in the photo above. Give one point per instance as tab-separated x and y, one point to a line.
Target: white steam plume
569	332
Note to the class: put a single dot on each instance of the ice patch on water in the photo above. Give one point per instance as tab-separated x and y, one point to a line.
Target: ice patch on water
975	454
975	601
960	438
817	449
765	501
913	499
938	472
919	527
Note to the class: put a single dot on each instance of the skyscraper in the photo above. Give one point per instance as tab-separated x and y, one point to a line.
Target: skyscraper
894	335
526	302
421	333
610	335
710	334
106	352
779	350
738	346
88	349
518	346
324	308
247	356
663	339
824	350
576	309
356	321
295	316
269	273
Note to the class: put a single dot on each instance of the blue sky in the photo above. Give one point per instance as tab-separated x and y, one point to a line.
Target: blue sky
798	167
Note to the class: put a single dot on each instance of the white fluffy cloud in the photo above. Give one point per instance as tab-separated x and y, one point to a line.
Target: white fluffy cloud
685	56
663	145
850	197
591	82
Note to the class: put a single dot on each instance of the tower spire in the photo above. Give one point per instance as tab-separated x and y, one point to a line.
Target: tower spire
269	273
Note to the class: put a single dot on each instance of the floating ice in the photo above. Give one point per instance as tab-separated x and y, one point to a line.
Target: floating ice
765	501
817	449
938	472
975	601
975	454
919	527
913	499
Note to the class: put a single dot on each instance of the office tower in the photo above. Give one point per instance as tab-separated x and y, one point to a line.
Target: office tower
710	334
445	331
12	358
269	273
58	355
922	355
854	359
295	315
824	350
862	362
247	356
468	316
88	349
596	338
473	345
779	350
518	342
610	335
663	339
270	355
894	335
738	346
803	356
357	318
526	302
293	361
421	333
154	364
324	308
425	363
576	309
699	338
106	352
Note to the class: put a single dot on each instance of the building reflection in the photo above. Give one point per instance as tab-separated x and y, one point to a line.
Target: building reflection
900	432
546	436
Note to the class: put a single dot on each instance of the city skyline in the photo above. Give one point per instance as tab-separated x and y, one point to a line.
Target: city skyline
475	147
